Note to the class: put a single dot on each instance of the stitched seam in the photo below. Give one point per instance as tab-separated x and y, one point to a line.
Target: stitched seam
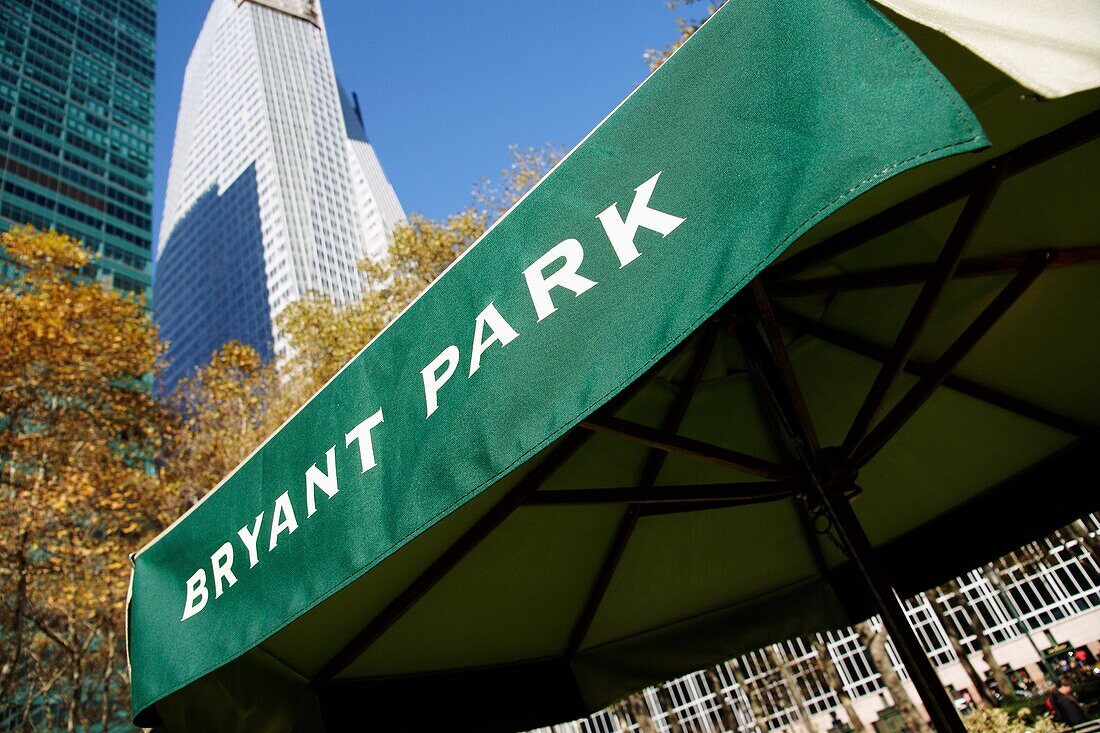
930	68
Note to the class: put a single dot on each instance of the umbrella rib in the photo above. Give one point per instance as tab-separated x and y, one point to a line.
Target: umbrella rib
451	557
702	494
869	349
1029	154
603	580
916	273
654	462
570	444
793	396
689	447
927	300
938	372
687	507
768	407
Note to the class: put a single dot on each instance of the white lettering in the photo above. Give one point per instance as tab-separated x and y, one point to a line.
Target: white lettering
249	539
502	331
222	563
433	380
197	594
622	233
540	285
361	432
326	482
282	519
559	267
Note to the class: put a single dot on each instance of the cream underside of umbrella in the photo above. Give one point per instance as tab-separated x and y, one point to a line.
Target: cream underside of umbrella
1053	54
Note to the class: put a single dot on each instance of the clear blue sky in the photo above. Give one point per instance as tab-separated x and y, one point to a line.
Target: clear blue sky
447	85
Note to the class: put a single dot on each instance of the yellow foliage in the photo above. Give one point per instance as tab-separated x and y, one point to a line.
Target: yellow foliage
994	720
227	408
79	430
655	57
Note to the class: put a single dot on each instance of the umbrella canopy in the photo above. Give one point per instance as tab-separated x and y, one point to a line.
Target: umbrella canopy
614	443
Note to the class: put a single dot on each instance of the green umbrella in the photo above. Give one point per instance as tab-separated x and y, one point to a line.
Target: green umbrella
614	443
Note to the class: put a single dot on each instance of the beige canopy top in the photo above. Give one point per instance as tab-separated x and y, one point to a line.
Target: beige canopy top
1053	54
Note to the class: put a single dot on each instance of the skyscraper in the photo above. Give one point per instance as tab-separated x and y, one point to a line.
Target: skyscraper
76	126
274	189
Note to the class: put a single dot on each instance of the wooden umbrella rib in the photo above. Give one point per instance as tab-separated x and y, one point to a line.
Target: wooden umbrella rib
916	273
1016	161
681	494
683	398
768	407
938	372
687	507
924	305
654	462
777	409
873	227
453	555
603	580
871	350
689	447
777	396
768	410
793	393
1071	256
1055	143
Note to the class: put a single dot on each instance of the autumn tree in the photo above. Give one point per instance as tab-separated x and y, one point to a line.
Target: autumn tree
940	604
874	640
78	432
639	710
725	712
778	659
664	699
990	720
1027	557
759	714
654	57
619	710
528	166
226	409
833	679
324	335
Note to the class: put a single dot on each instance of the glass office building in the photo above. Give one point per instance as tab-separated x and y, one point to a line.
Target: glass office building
76	127
274	189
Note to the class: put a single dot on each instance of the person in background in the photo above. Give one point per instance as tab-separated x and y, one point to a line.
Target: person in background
1064	706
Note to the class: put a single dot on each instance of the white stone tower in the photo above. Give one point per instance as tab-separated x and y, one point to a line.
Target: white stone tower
274	189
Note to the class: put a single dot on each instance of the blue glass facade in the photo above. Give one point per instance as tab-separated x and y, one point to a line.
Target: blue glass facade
213	262
76	126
